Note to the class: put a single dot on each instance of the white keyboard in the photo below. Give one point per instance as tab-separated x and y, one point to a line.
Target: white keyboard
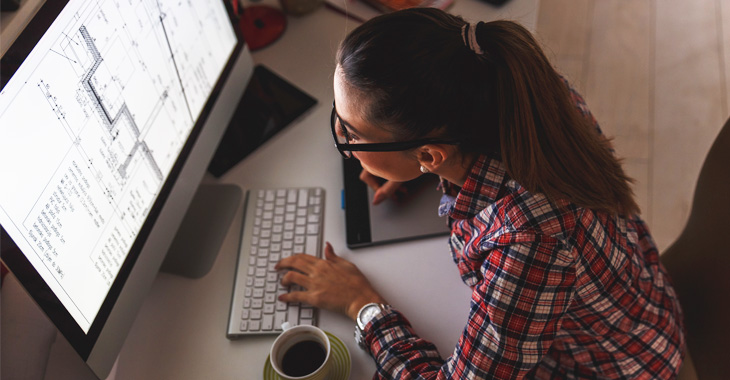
277	223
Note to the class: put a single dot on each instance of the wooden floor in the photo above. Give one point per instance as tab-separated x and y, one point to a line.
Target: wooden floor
656	74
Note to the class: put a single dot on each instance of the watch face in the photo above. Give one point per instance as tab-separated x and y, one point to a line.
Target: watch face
370	312
367	314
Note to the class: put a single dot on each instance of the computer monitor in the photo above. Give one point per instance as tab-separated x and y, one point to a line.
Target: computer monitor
109	114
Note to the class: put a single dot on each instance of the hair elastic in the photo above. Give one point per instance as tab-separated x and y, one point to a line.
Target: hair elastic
469	35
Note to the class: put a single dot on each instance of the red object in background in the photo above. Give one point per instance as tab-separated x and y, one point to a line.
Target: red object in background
261	25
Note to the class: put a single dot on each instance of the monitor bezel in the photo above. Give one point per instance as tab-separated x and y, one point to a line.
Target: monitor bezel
12	256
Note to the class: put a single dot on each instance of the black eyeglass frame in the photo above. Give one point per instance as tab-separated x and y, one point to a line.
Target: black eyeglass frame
344	149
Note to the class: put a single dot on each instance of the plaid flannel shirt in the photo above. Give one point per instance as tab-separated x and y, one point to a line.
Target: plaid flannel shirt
559	292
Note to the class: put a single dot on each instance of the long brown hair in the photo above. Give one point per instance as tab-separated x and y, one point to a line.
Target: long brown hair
418	77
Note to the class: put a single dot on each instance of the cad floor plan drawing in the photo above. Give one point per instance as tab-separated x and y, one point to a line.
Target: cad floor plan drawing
110	98
114	118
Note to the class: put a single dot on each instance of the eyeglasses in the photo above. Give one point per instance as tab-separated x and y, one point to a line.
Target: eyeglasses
343	145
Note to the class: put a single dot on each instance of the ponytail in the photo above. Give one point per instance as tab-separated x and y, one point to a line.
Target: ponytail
416	72
547	145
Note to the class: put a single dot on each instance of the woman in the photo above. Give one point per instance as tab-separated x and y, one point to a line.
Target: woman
566	279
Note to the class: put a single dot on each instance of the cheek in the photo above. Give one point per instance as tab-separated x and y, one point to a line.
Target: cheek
389	165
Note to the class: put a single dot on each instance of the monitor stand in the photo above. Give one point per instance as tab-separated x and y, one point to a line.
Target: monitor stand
201	234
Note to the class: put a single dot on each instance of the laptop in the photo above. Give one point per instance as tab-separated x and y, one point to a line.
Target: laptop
409	217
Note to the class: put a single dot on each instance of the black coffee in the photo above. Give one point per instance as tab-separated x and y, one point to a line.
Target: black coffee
303	358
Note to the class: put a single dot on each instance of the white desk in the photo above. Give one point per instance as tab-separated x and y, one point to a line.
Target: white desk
180	331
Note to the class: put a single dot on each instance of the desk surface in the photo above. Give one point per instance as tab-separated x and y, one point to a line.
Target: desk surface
180	330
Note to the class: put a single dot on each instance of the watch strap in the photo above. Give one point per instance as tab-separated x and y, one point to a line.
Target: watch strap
360	323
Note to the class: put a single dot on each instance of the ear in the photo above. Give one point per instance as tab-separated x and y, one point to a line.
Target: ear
433	156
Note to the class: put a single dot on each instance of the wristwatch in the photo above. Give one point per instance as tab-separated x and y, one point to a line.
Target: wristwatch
364	316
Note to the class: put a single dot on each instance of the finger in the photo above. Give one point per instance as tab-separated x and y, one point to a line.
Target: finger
300	262
329	252
369	179
386	191
295	278
295	296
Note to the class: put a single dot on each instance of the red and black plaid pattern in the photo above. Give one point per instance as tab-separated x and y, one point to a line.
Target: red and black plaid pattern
559	292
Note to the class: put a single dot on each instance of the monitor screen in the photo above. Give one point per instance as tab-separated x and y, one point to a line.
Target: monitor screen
96	125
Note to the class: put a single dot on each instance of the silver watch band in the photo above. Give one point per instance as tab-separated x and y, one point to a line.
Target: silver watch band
366	314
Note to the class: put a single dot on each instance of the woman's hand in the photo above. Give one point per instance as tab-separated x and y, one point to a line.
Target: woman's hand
383	190
332	283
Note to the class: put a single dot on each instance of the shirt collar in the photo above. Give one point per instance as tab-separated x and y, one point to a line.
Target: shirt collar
481	188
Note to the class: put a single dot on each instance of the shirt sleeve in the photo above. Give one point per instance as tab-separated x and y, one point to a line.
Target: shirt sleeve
515	313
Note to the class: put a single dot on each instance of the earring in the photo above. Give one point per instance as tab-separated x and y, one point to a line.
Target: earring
424	170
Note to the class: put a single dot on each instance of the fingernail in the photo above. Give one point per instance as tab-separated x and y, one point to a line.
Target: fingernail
377	198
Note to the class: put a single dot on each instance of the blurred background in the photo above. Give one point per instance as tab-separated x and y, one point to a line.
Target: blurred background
656	74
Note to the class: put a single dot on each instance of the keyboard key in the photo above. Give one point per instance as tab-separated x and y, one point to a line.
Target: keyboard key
312	245
281	306
279	318
306	312
267	324
270	289
270	298
292	314
303	196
